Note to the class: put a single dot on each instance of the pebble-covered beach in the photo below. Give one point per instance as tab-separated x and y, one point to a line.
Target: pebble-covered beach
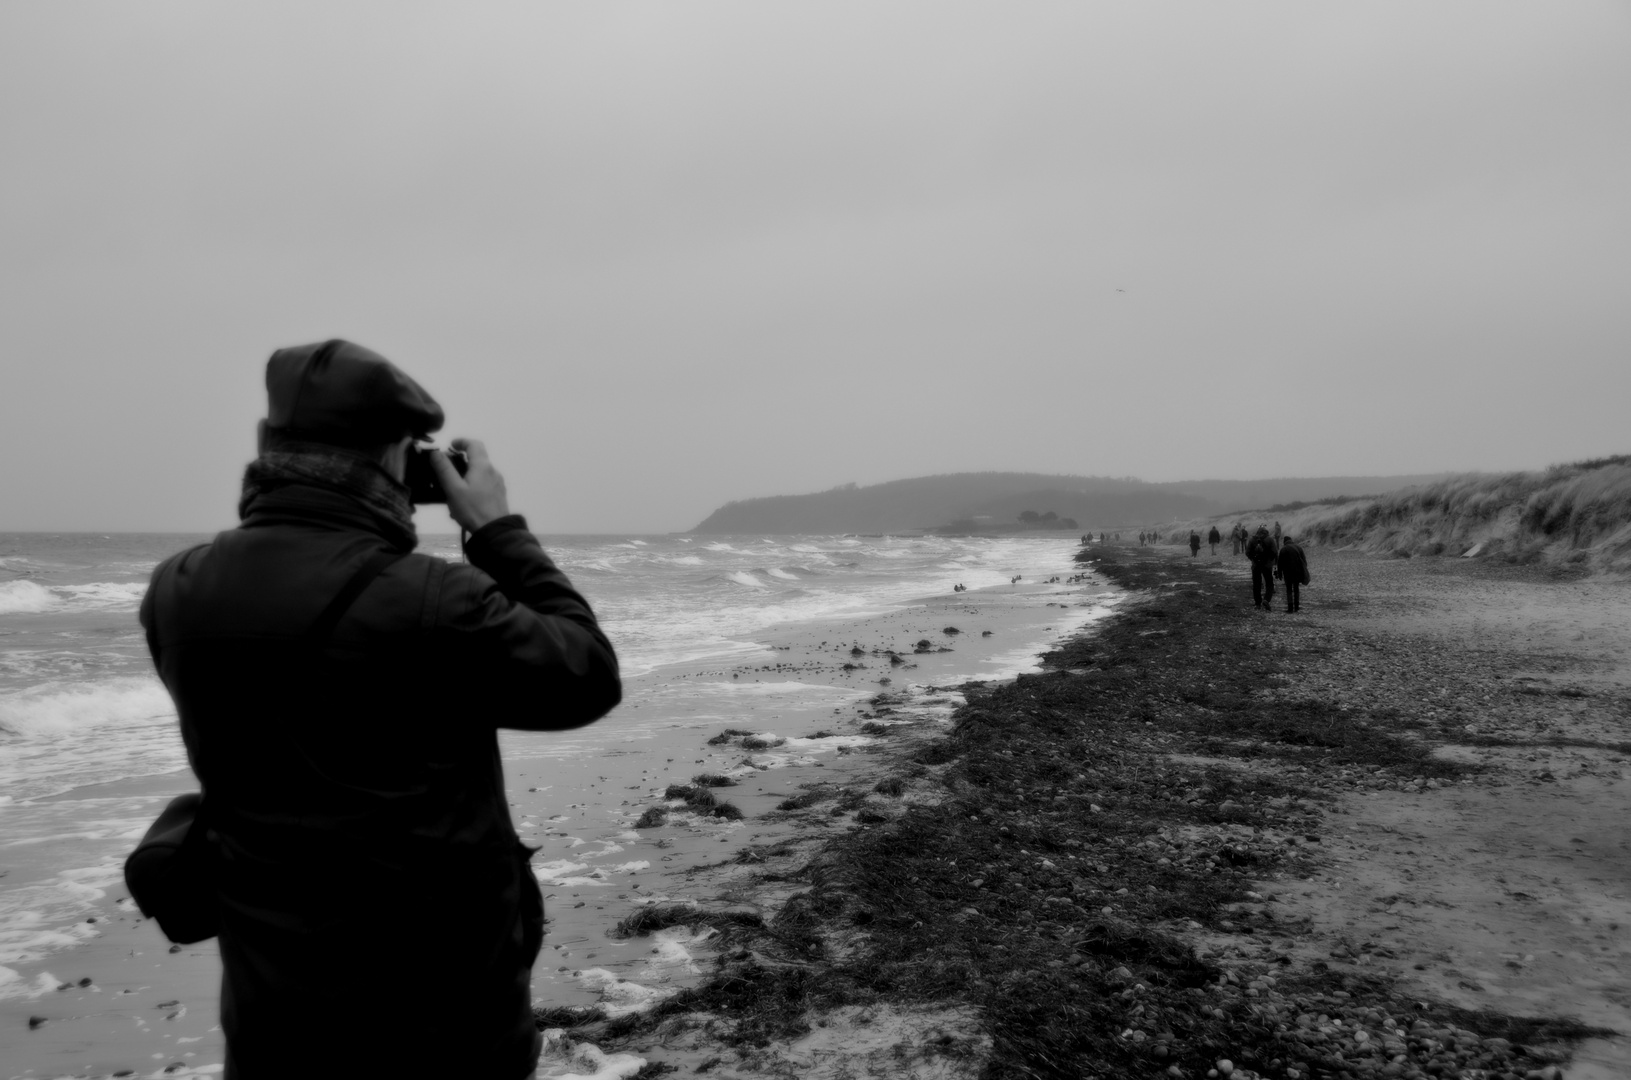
1375	838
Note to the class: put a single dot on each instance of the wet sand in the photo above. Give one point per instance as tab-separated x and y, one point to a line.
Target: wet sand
811	694
150	1007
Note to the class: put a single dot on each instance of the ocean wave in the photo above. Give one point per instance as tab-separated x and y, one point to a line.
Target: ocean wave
54	708
32	598
25	597
22	564
778	572
743	577
104	594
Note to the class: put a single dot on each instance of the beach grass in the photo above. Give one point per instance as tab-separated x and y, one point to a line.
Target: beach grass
1574	517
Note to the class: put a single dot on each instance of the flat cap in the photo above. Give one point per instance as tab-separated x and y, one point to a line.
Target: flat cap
336	391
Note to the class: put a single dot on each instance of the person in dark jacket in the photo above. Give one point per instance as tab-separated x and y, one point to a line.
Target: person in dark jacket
378	915
1292	566
1194	543
1213	538
1260	550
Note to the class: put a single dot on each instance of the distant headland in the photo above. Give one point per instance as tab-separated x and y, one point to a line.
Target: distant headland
1007	502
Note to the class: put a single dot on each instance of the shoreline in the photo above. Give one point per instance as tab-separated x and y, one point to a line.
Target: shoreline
797	690
152	1008
1137	863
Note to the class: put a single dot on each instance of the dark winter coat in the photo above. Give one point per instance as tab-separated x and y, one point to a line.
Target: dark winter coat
1260	549
1292	562
378	914
1213	537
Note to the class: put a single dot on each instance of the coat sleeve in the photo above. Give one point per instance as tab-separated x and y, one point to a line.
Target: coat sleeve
536	656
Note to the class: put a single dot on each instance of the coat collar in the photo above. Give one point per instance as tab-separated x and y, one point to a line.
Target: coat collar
307	505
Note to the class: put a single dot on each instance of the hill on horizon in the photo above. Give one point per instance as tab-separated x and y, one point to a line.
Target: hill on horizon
994	501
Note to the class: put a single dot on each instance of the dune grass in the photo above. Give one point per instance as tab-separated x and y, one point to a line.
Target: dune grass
1571	517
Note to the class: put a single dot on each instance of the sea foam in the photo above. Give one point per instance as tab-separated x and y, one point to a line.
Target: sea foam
54	708
31	598
25	597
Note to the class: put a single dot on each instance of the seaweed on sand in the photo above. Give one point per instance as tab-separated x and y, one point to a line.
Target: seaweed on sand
654	817
806	799
696	797
648	920
727	735
1052	885
712	780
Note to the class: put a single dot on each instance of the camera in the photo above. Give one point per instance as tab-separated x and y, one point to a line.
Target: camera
423	486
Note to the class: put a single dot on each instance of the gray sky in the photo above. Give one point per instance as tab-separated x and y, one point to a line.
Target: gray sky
665	255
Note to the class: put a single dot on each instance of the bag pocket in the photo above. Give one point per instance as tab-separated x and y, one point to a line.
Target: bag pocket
171	875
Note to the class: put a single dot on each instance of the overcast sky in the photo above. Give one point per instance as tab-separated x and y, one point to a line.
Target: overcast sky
665	255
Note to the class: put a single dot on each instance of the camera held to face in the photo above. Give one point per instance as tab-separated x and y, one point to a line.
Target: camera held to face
424	487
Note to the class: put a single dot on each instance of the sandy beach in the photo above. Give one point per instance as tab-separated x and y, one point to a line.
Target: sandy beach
1375	838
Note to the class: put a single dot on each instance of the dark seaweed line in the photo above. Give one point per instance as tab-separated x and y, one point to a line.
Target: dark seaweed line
1052	887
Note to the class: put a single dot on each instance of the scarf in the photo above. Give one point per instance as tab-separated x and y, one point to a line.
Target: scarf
333	468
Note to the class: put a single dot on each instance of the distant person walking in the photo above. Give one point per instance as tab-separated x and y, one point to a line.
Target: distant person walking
1194	543
1276	536
1291	565
1213	538
1260	550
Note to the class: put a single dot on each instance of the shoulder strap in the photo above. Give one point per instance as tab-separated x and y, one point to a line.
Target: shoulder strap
371	569
314	637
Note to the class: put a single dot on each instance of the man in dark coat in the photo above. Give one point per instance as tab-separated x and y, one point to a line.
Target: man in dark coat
1194	543
1293	567
1213	537
1260	550
378	916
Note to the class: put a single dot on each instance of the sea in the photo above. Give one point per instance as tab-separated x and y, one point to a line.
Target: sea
88	736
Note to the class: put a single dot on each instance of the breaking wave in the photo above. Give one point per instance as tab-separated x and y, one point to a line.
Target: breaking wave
30	597
56	708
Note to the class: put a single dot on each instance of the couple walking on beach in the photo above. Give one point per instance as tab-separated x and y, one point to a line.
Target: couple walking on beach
340	699
1272	557
1212	538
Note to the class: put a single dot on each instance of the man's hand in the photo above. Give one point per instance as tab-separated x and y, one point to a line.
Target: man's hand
478	496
